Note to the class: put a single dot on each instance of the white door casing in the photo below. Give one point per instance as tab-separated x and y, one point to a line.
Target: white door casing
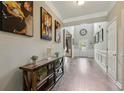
112	50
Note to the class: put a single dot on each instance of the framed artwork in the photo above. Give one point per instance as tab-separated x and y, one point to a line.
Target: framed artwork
0	15
97	37
46	25
57	32
101	35
17	17
94	39
63	30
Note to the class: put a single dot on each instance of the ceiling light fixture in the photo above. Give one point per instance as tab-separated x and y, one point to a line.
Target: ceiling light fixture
80	2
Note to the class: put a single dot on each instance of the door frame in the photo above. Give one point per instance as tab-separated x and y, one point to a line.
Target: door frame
113	20
69	36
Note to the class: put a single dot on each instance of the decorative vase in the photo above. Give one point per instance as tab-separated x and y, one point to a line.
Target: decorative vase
57	54
34	58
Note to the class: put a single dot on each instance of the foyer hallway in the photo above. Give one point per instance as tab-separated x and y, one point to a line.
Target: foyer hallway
83	74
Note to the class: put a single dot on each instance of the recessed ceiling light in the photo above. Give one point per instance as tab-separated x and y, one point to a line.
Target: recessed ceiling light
81	2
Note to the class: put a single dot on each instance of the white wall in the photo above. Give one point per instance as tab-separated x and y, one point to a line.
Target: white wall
117	12
100	49
101	45
88	39
16	50
75	32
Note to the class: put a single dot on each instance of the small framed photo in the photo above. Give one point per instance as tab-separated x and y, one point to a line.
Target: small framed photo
101	35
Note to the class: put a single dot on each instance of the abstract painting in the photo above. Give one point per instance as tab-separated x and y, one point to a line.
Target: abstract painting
46	25
17	17
57	32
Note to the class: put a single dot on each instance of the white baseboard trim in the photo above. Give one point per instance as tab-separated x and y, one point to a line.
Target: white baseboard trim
119	84
103	68
114	81
83	57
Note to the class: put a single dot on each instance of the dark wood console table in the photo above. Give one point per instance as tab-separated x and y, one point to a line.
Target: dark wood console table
43	75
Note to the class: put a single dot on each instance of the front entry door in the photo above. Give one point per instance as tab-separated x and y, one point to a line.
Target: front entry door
112	50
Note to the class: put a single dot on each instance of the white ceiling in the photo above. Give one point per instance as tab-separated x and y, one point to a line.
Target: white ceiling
70	10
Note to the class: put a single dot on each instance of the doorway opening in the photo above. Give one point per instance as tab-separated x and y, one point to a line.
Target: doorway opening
68	44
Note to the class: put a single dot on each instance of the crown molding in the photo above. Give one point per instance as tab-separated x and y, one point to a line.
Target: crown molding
90	16
85	17
112	6
52	7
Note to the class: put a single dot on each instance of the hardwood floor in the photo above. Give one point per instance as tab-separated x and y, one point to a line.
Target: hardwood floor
83	74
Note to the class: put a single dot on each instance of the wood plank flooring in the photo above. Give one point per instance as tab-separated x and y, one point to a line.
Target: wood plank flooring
83	74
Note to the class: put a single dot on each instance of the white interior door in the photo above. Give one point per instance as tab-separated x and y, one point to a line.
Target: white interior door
112	50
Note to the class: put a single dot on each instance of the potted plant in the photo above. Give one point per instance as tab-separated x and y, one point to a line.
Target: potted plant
34	58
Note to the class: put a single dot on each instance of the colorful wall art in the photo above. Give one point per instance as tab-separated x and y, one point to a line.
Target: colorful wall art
46	25
17	17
